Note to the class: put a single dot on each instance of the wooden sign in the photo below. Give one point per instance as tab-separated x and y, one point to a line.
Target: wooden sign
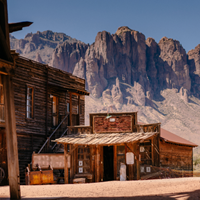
148	169
113	124
56	161
142	169
129	158
142	149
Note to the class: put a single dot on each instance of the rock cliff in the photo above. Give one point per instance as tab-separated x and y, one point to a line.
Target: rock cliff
40	43
127	72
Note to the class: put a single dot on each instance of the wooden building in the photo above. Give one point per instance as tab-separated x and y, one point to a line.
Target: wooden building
47	100
94	152
175	152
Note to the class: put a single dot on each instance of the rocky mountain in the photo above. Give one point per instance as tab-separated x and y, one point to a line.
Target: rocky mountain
127	72
39	46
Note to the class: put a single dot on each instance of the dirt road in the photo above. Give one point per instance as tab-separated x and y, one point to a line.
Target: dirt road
180	189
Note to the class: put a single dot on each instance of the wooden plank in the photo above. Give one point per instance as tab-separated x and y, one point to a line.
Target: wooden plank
11	139
66	163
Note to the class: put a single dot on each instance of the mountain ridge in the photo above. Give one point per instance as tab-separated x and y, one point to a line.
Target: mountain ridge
128	72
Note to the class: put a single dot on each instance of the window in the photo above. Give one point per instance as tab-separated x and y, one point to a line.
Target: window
29	102
67	107
55	110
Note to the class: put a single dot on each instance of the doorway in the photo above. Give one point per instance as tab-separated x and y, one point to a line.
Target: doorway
108	163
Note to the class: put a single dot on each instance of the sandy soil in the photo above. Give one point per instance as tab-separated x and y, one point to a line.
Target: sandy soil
180	189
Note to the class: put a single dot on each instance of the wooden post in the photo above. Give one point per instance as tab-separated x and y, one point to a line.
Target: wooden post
138	161
130	168
66	163
79	107
11	139
97	165
92	150
70	109
115	161
101	163
152	151
72	163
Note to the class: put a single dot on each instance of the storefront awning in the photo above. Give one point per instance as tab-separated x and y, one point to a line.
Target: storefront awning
104	138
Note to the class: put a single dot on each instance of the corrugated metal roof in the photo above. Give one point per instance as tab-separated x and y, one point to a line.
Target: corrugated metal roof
104	138
170	137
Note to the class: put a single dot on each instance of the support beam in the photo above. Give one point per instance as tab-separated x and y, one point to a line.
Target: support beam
79	109
97	164
5	49
138	161
115	161
11	139
130	168
152	151
66	163
70	108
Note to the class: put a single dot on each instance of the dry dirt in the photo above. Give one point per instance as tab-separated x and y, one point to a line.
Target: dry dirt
180	189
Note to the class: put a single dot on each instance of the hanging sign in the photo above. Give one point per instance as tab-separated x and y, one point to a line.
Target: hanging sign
142	149
129	158
148	169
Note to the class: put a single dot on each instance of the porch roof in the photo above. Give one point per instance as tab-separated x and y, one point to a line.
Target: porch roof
104	138
70	88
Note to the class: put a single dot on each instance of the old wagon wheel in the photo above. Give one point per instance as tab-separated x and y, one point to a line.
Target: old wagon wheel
2	174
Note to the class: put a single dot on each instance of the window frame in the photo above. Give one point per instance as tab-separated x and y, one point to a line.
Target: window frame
32	104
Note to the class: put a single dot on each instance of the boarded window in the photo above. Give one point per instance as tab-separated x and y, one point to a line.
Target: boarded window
29	102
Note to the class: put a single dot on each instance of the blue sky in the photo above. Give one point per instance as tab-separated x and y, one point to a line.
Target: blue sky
82	19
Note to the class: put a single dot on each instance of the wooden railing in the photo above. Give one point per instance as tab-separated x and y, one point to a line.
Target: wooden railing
148	127
53	133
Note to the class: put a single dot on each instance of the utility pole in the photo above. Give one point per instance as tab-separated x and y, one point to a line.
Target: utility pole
7	65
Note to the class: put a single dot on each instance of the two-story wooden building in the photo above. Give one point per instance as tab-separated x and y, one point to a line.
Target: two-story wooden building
47	100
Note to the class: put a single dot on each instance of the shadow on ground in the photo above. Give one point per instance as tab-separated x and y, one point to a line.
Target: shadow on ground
194	195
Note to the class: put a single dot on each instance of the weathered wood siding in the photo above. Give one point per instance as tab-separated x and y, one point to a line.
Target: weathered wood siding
3	155
32	133
176	156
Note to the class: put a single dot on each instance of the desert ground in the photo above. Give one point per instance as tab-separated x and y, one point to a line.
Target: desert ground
180	189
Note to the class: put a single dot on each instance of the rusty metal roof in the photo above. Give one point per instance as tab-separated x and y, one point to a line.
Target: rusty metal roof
170	137
104	138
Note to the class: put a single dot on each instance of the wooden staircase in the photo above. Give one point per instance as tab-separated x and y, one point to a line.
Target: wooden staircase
41	145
